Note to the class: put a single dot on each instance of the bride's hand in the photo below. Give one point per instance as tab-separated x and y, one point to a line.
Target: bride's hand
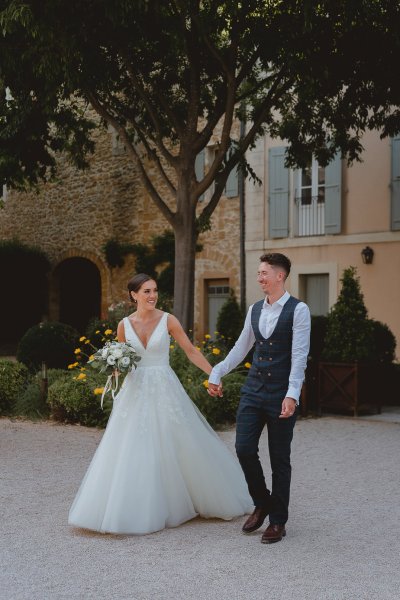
215	390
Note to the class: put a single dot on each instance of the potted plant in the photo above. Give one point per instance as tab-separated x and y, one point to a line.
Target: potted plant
355	350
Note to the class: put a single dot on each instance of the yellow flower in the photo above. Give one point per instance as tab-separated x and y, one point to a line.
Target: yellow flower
198	347
72	366
247	365
83	369
108	332
216	332
91	357
87	341
98	391
172	346
81	339
77	351
81	376
97	331
205	383
207	336
216	351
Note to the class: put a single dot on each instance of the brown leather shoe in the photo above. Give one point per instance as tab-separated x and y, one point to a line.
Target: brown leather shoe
273	533
255	520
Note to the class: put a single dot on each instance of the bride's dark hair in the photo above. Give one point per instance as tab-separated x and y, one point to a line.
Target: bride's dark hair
136	283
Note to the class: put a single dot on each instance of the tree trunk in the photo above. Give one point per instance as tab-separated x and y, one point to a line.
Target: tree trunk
185	250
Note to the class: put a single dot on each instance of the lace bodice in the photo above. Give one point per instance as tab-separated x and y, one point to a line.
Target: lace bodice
156	354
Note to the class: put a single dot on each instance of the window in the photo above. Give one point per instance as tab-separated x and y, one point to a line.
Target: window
318	198
310	199
217	294
314	290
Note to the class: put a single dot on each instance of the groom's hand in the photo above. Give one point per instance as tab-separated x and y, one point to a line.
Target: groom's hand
215	390
288	408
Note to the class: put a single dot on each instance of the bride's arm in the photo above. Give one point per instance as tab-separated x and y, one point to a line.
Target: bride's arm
121	332
194	355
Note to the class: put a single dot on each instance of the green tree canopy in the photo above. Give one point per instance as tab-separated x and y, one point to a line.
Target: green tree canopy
164	74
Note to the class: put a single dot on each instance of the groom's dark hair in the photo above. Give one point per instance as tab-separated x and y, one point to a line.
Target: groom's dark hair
275	259
136	283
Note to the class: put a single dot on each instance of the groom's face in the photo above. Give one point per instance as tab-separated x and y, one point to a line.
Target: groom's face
270	278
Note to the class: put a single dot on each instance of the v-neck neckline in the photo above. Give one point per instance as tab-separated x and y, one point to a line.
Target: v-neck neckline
150	336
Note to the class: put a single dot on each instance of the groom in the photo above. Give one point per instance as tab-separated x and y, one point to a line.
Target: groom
279	327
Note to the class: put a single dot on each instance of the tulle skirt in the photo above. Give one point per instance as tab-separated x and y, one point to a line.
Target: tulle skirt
158	464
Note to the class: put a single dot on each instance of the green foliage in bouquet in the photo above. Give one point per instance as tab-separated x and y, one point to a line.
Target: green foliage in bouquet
349	336
14	377
51	342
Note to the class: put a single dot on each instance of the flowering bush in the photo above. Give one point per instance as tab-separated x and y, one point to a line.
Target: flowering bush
74	400
218	411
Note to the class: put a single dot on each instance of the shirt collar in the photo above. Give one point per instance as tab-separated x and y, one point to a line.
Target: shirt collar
282	300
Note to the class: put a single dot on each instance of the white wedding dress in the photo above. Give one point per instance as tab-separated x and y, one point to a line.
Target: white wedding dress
159	462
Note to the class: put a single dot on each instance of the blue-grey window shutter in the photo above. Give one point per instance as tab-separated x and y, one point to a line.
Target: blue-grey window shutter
395	185
199	168
278	193
333	196
231	186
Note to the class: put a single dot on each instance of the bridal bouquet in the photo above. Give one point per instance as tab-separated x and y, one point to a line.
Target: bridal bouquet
114	358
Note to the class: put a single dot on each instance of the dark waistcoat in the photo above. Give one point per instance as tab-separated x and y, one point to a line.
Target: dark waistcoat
272	359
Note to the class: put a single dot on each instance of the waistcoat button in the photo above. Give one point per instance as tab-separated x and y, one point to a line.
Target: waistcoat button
270	358
270	343
269	374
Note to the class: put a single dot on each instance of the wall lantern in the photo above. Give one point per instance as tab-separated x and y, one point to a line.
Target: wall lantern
367	255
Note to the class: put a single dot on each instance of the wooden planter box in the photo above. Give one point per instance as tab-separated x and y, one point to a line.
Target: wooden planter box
348	387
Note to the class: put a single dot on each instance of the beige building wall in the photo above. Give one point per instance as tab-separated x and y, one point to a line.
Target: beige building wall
366	221
79	212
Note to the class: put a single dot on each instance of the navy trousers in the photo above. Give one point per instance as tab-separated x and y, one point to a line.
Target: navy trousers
254	412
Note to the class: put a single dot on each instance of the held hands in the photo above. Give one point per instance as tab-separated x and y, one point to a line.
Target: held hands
288	408
215	390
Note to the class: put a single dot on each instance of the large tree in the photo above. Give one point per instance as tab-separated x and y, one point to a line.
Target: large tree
166	73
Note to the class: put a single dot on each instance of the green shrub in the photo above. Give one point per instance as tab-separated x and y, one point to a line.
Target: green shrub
218	411
349	334
230	320
74	401
95	332
52	343
31	402
384	342
14	377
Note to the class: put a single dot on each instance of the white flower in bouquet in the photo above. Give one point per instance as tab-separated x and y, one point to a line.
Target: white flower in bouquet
125	361
113	359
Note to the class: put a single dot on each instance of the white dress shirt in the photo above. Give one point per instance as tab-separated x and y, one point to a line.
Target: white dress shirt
268	319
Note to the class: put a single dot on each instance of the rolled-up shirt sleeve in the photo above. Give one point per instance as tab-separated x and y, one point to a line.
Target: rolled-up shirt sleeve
243	345
300	349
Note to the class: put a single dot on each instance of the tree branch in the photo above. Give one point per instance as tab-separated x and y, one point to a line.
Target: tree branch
107	116
170	158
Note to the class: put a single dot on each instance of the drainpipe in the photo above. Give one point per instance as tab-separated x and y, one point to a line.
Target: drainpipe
242	228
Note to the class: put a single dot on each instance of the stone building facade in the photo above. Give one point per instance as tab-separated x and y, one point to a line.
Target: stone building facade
72	218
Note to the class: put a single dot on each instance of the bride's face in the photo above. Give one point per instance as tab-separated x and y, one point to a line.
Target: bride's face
147	295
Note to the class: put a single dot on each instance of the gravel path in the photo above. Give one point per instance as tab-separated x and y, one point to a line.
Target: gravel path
342	541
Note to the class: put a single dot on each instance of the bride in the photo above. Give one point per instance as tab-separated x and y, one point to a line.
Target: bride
159	462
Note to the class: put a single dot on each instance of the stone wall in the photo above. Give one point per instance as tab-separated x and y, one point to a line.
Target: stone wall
78	213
